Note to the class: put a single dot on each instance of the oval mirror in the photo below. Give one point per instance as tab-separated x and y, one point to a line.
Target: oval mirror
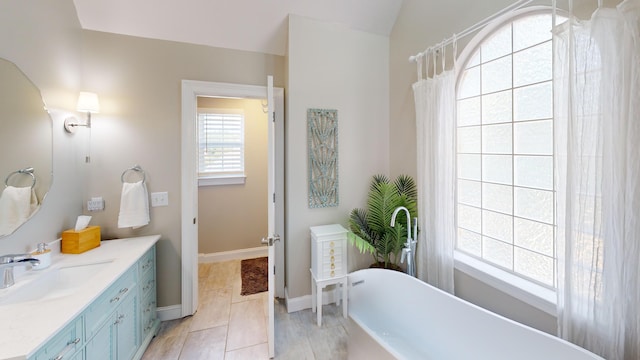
25	146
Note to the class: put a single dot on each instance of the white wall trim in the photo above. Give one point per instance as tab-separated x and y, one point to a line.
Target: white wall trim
191	89
538	296
233	255
304	302
222	180
172	312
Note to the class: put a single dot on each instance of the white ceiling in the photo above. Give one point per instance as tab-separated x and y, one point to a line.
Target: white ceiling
251	25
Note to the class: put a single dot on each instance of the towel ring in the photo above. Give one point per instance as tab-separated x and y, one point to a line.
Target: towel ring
135	168
28	171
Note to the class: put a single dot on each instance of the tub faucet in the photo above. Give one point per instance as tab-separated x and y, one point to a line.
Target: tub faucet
410	246
8	262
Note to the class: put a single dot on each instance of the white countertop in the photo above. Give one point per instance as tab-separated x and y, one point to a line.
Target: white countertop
25	327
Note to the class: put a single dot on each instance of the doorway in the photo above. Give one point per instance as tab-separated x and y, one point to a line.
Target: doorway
191	90
233	175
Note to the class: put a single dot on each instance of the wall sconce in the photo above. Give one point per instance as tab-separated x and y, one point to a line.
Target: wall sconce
87	102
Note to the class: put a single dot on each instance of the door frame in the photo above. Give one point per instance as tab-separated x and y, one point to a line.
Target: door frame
191	89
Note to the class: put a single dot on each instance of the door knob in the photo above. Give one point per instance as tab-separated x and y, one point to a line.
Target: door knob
270	240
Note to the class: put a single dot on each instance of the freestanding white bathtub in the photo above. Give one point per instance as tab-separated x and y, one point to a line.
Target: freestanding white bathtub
395	316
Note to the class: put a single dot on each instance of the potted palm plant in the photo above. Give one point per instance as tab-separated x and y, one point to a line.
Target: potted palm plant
371	230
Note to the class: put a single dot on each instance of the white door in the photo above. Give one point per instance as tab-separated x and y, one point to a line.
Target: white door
272	236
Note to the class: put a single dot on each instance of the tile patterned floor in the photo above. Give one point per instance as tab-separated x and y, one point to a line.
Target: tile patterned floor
230	326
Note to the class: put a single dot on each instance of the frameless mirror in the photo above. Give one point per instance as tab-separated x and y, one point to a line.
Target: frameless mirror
26	149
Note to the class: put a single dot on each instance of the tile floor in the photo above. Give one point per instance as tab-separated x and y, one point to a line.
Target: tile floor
230	326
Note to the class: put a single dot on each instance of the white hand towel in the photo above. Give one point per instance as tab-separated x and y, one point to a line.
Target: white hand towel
16	206
134	205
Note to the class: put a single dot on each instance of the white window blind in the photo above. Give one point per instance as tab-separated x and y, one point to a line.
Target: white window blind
220	143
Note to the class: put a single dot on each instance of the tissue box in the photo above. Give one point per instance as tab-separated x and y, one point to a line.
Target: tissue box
77	242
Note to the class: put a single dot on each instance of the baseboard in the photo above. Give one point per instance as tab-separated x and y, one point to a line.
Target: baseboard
233	255
169	312
329	296
304	302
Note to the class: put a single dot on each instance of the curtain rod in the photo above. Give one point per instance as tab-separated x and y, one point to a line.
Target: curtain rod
473	28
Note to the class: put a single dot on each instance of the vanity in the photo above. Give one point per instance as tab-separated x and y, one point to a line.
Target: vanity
100	304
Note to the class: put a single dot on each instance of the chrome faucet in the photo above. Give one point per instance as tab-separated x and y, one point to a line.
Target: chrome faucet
8	262
410	246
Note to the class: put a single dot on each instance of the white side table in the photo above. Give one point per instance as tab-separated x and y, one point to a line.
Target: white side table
328	264
316	294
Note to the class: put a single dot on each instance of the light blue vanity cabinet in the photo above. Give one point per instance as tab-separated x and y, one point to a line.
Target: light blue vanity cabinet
117	338
104	307
147	271
67	344
118	325
111	321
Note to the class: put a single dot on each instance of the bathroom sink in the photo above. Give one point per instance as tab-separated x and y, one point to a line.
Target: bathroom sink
53	283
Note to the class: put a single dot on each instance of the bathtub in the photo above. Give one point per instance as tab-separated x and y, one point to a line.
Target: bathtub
395	316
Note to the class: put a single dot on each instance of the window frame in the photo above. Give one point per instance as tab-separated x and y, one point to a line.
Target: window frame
222	177
527	290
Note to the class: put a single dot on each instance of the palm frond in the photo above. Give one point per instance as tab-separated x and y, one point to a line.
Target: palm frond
361	244
377	180
406	185
361	235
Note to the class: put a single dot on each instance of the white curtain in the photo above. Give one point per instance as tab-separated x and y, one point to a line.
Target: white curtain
597	132
435	125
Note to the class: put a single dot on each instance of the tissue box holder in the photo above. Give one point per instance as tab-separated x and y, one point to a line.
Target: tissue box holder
77	242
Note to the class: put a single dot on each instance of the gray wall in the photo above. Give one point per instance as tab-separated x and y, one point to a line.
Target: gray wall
43	39
139	84
332	67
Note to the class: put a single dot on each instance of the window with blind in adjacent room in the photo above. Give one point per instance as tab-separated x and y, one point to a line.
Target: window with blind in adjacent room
220	146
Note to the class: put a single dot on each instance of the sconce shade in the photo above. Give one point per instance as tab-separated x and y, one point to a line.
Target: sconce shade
88	102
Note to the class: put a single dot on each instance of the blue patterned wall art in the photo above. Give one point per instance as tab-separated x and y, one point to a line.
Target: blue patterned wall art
322	135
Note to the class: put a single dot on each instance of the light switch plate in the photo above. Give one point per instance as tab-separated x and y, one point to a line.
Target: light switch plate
95	204
159	199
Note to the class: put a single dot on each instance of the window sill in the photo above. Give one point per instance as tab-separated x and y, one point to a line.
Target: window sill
222	180
530	293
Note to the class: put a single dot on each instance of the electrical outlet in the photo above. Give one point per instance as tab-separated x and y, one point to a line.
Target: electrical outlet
159	199
95	204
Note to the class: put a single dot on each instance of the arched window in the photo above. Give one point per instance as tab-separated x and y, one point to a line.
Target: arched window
505	207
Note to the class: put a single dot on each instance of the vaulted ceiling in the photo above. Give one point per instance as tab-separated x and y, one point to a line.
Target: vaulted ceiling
251	25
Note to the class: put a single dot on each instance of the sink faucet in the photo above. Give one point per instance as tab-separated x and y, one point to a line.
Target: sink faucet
410	246
8	262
